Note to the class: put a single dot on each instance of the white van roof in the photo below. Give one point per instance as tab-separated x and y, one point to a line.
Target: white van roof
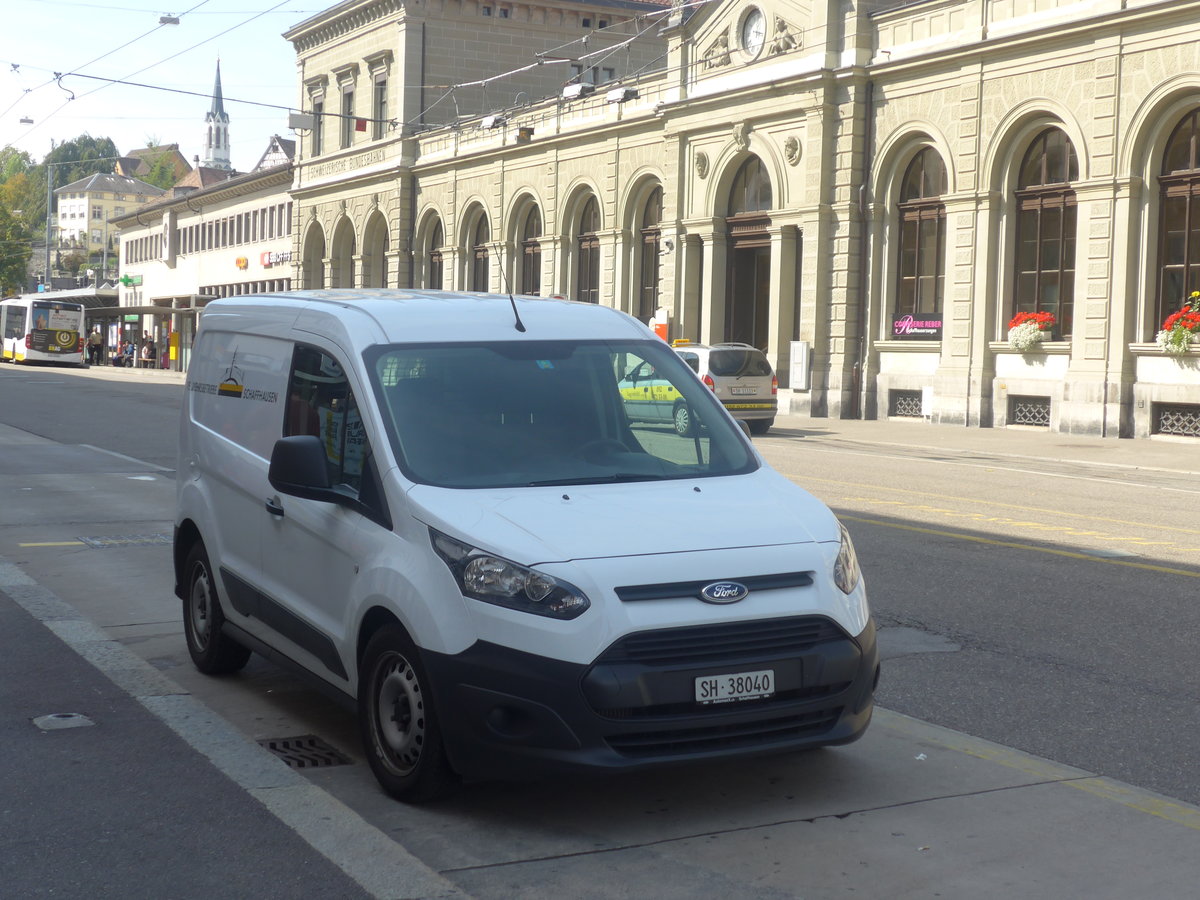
420	316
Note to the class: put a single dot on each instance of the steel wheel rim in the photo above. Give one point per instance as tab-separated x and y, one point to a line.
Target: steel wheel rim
399	713
682	420
199	606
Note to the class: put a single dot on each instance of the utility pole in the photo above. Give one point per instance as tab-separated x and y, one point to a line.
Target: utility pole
46	285
104	257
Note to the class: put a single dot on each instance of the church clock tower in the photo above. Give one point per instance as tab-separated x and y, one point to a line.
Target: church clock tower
216	137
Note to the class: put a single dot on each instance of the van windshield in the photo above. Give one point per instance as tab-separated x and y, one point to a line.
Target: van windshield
530	413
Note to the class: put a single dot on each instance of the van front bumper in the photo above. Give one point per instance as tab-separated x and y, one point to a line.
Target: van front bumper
510	714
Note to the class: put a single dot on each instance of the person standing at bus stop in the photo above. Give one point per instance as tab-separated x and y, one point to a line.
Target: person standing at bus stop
95	347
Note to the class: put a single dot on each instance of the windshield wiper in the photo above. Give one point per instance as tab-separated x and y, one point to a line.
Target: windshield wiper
614	478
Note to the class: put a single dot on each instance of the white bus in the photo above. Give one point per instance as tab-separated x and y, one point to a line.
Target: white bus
42	331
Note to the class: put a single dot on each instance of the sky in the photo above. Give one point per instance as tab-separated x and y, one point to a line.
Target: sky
122	40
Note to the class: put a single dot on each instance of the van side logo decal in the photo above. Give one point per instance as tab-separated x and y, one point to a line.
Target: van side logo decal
723	592
231	386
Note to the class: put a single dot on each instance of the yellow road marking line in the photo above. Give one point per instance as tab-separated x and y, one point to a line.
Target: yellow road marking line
54	544
1070	554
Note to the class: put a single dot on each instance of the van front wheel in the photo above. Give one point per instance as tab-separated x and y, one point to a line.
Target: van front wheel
398	722
212	651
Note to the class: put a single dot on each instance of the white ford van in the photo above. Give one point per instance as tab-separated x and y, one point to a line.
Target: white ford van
452	510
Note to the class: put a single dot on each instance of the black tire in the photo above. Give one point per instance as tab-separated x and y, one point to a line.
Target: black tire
398	722
212	651
682	419
760	426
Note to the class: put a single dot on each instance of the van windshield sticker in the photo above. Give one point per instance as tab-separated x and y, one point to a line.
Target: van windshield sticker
545	364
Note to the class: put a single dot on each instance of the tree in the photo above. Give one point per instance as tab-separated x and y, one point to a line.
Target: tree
162	170
13	162
73	262
14	254
21	198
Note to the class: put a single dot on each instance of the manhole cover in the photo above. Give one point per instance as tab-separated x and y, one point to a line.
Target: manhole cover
54	721
305	752
125	540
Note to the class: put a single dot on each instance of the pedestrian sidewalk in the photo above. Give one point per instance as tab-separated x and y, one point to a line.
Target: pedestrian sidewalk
1166	454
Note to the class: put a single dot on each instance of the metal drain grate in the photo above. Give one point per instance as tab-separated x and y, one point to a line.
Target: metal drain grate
305	752
125	540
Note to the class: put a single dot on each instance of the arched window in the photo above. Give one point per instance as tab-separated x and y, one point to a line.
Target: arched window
1046	216
531	253
922	263
587	281
1179	223
650	231
479	255
436	240
751	191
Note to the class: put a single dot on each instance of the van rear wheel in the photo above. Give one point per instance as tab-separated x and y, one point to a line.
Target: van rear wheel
398	721
212	651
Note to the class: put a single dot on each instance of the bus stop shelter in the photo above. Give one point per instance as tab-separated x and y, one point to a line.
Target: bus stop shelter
173	326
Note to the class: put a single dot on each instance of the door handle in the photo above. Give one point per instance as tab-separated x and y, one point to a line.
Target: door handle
273	506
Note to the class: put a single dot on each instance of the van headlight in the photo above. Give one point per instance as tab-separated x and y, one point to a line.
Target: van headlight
846	573
492	579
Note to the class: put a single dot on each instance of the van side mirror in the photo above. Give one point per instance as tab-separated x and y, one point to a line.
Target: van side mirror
298	468
742	425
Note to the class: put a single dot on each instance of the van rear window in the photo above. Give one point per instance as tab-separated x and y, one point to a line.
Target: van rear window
738	362
530	413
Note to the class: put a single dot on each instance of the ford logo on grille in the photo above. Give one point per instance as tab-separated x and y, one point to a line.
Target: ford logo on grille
723	592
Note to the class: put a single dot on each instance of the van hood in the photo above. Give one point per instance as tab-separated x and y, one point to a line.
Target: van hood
538	525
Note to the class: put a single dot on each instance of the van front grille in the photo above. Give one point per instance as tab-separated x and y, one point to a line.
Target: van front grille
649	744
723	641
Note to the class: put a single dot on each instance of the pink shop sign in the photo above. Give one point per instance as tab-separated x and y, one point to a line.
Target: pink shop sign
927	327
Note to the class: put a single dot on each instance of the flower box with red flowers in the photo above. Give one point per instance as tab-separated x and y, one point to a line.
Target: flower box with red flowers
1027	330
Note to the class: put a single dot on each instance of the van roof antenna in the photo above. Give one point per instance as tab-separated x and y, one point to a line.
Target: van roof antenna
508	290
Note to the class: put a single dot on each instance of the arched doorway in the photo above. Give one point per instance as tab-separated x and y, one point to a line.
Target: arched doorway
341	256
480	262
748	287
375	248
587	273
531	252
650	234
433	269
313	260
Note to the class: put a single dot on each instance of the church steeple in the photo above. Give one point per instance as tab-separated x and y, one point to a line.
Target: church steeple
216	137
